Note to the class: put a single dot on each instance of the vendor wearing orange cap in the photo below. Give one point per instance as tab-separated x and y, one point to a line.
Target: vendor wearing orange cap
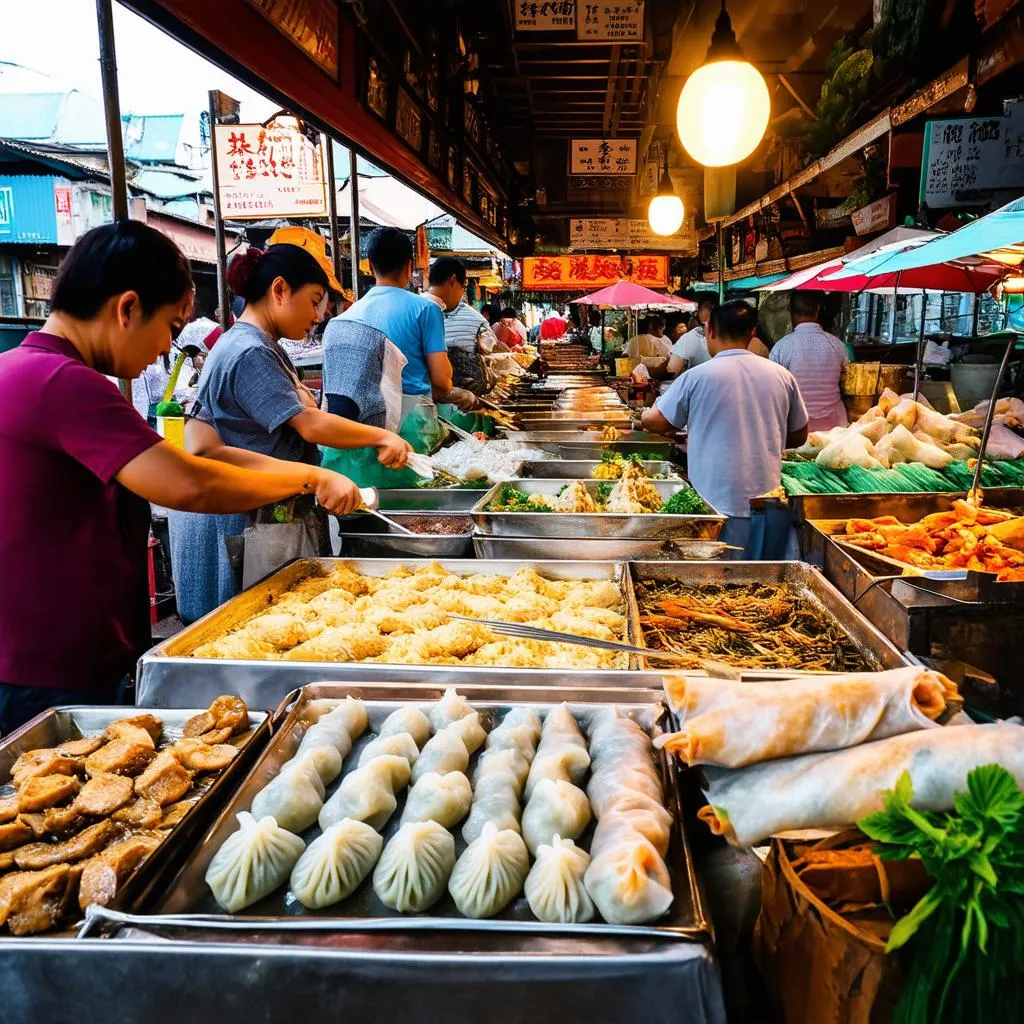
250	399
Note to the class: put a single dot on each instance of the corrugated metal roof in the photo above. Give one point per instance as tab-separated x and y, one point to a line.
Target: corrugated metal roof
30	115
151	138
52	157
168	184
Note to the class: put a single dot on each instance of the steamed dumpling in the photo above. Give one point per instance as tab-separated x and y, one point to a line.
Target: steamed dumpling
368	793
637	811
609	780
496	800
339	727
252	862
325	760
412	873
520	738
400	744
444	752
441	798
293	798
554	887
470	731
522	716
490	872
408	719
450	708
628	881
502	762
560	728
619	738
555	808
335	863
568	763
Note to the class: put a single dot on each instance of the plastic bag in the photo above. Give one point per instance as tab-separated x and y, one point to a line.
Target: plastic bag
640	374
268	546
936	355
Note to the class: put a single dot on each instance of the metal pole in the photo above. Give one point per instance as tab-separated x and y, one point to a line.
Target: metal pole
353	219
974	315
974	495
332	205
721	262
223	296
112	110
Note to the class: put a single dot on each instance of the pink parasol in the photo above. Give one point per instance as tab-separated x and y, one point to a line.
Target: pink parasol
625	294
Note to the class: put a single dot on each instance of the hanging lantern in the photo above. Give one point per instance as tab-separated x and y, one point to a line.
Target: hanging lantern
665	212
724	106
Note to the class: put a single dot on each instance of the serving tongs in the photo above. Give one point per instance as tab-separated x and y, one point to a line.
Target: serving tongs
371	500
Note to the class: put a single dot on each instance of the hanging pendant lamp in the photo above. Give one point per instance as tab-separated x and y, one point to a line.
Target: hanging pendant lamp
724	107
665	212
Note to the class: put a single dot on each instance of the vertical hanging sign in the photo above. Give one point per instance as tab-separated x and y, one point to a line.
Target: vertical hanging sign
610	21
545	15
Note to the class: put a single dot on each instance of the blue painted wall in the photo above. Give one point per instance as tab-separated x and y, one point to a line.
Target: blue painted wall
27	211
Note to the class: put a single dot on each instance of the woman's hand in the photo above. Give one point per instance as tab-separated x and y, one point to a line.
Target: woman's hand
392	450
336	493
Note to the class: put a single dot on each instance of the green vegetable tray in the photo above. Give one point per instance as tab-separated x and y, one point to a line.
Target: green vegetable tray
799	477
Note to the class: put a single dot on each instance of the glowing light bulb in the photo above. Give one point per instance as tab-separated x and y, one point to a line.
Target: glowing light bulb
665	214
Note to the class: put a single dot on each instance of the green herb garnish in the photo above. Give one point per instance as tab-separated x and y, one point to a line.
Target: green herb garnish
511	499
604	491
686	502
964	939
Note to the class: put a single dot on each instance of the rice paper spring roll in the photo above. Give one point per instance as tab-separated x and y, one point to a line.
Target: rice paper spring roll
689	695
764	721
834	790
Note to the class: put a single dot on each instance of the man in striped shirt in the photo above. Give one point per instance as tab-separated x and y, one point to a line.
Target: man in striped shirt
816	358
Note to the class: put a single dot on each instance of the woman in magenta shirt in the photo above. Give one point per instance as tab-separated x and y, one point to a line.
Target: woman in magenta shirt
78	466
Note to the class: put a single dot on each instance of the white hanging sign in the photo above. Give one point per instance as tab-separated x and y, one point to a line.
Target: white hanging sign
610	21
602	156
545	15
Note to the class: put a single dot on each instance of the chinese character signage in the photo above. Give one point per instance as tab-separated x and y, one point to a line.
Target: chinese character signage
610	21
628	233
268	172
545	15
583	273
312	25
602	156
966	159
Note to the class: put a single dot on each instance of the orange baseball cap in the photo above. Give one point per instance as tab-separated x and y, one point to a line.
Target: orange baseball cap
314	244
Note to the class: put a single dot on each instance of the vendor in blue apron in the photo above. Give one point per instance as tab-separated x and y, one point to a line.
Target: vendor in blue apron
413	330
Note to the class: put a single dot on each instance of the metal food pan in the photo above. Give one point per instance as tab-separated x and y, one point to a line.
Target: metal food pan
58	725
363	912
879	652
169	676
487	546
579	469
576	420
565	435
394	545
426	499
604	525
593	450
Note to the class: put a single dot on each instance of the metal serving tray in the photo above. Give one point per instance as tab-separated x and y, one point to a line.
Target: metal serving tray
579	469
75	722
592	436
605	525
592	451
169	677
487	546
372	539
426	499
362	911
878	651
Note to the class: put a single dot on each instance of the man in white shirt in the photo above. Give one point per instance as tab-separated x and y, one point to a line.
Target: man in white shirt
741	412
816	358
692	349
651	348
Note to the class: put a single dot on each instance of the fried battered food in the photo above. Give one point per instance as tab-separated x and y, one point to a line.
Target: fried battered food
34	856
6	861
35	822
965	537
280	630
8	808
62	821
121	757
354	642
103	794
173	813
34	901
129	733
150	723
634	494
225	713
203	757
105	873
44	762
45	791
143	812
576	498
83	747
235	646
14	833
165	780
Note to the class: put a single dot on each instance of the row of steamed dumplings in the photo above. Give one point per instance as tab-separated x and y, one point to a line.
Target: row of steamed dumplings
624	874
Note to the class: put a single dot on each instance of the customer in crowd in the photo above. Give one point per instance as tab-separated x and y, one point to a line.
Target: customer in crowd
491	313
758	347
84	466
650	347
467	334
553	326
596	332
816	359
741	412
509	330
692	348
677	327
250	399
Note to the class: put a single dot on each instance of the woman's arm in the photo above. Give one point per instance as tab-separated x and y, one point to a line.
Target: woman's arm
202	440
171	477
319	427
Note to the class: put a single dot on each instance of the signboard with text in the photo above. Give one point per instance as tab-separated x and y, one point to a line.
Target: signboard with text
268	172
583	273
545	15
628	233
966	159
610	21
312	25
602	156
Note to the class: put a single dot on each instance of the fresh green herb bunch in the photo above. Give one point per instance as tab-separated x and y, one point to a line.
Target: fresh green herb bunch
686	502
611	457
604	491
965	937
511	499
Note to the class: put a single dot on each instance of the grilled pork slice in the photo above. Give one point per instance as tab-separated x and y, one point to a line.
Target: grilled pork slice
105	873
34	901
46	761
150	723
129	733
120	757
80	748
46	791
8	808
140	813
103	794
202	757
34	856
63	821
226	712
13	834
165	780
175	812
